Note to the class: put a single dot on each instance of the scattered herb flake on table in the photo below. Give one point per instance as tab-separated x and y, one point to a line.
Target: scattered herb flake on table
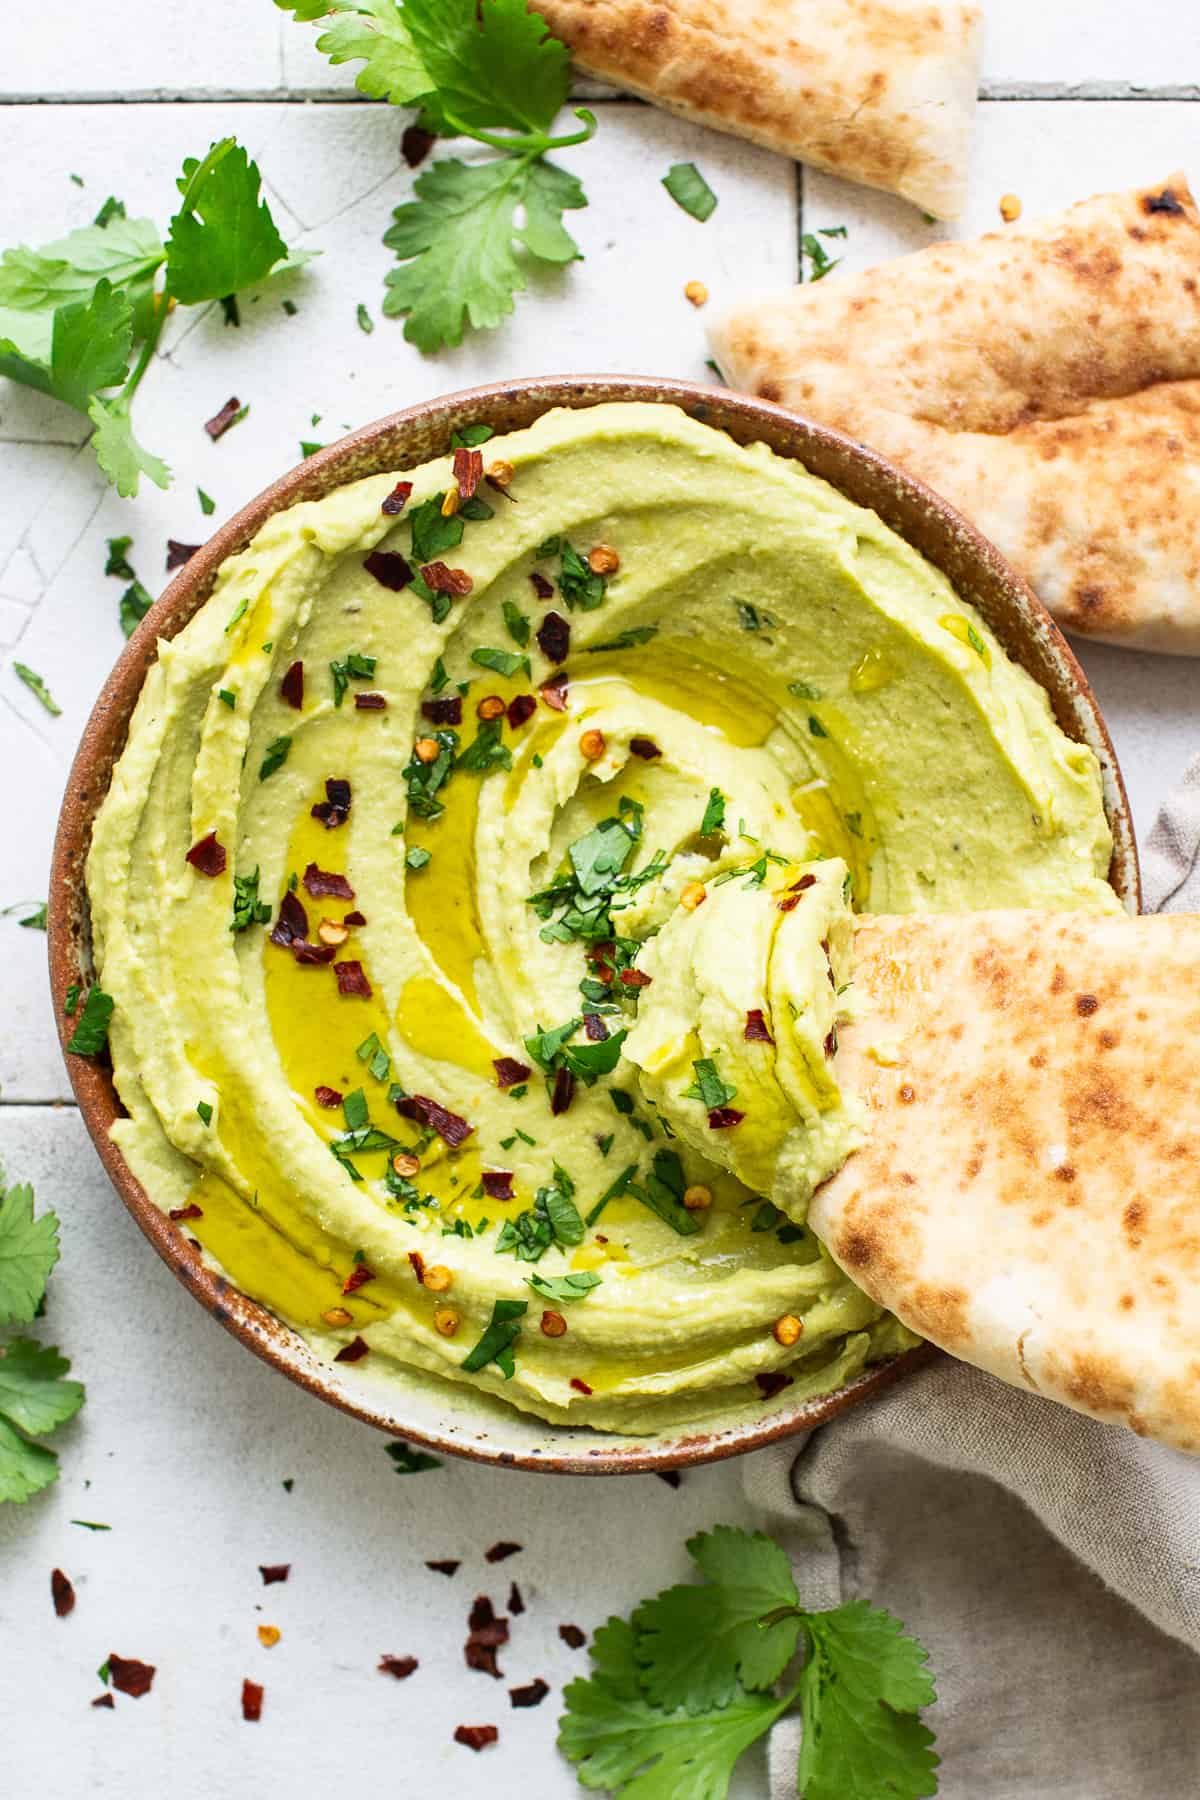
37	687
688	188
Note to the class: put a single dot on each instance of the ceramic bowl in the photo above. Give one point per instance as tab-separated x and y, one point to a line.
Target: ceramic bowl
423	1409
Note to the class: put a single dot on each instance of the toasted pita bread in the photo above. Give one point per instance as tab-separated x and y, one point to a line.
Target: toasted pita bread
1029	1193
881	91
1046	380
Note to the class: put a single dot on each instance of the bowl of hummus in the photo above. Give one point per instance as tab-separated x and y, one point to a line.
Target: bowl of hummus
468	841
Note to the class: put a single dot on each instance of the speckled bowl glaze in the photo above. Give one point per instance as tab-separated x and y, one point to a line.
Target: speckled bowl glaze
417	1407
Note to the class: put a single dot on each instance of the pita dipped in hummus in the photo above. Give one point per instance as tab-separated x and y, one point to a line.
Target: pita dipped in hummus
428	884
1045	379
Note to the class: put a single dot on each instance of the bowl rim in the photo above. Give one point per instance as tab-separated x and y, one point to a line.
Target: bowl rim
921	517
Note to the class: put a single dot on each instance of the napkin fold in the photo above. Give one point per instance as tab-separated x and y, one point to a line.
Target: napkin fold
1050	1563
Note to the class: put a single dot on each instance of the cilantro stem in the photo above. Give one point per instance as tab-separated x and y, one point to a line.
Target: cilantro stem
149	346
536	143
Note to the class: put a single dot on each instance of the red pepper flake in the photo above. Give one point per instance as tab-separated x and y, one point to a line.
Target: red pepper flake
802	886
334	810
353	1352
581	1387
62	1593
185	1212
397	500
449	1567
418	1269
292	686
252	1701
772	1382
532	1695
789	903
389	569
468	470
502	1551
475	1737
273	1572
724	1118
220	422
542	588
594	1028
563	1091
105	1700
450	1126
358	1277
554	691
443	712
399	1666
756	1031
498	1184
178	554
831	1043
314	953
635	978
515	1603
442	580
415	145
354	918
208	856
510	1072
554	637
487	1634
129	1676
326	881
572	1637
352	980
327	1096
672	1477
370	702
646	748
520	708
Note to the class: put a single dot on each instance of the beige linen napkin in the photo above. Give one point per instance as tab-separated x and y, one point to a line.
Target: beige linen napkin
1050	1563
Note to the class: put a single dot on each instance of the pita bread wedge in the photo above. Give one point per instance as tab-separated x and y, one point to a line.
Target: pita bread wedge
880	91
1046	380
1028	1196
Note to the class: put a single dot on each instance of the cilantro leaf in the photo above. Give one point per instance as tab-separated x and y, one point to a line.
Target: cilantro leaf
456	244
714	813
375	33
620	1742
119	453
492	63
125	252
91	1027
863	1683
89	348
503	662
549	193
407	1461
688	189
663	1190
33	1400
134	605
223	237
496	1344
28	1252
696	1643
708	1086
575	1286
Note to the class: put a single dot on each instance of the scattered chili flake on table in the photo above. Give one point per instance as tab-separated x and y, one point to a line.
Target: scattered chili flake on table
353	1352
531	1695
415	145
272	1572
105	1700
62	1593
475	1737
515	1602
486	1634
178	554
220	422
499	1552
207	856
129	1676
252	1701
269	1636
399	1666
572	1637
449	1566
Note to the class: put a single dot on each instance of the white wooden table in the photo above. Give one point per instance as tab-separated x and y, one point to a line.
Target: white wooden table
186	1440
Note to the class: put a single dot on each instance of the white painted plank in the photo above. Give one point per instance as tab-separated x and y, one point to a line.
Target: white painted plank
182	1448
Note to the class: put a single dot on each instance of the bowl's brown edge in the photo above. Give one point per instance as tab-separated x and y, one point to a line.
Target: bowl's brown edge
972	564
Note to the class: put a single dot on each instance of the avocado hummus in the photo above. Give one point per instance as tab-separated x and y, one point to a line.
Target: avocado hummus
448	1017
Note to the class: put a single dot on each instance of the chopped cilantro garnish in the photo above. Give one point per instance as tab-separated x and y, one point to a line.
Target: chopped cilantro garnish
426	779
135	603
663	1190
804	690
553	1218
575	1286
227	698
365	321
248	909
372	1052
418	859
486	750
37	687
816	727
714	813
496	1344
688	189
618	1187
354	1110
708	1086
353	667
71	998
439	678
432	531
469	437
629	639
118	562
820	262
752	618
208	505
205	1111
516	623
274	757
91	1027
579	585
504	662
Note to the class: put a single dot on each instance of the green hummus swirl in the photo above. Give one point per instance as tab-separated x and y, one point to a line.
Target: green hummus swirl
769	681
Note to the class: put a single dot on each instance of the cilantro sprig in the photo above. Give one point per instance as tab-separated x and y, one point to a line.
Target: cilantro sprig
73	312
490	71
34	1396
681	1690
